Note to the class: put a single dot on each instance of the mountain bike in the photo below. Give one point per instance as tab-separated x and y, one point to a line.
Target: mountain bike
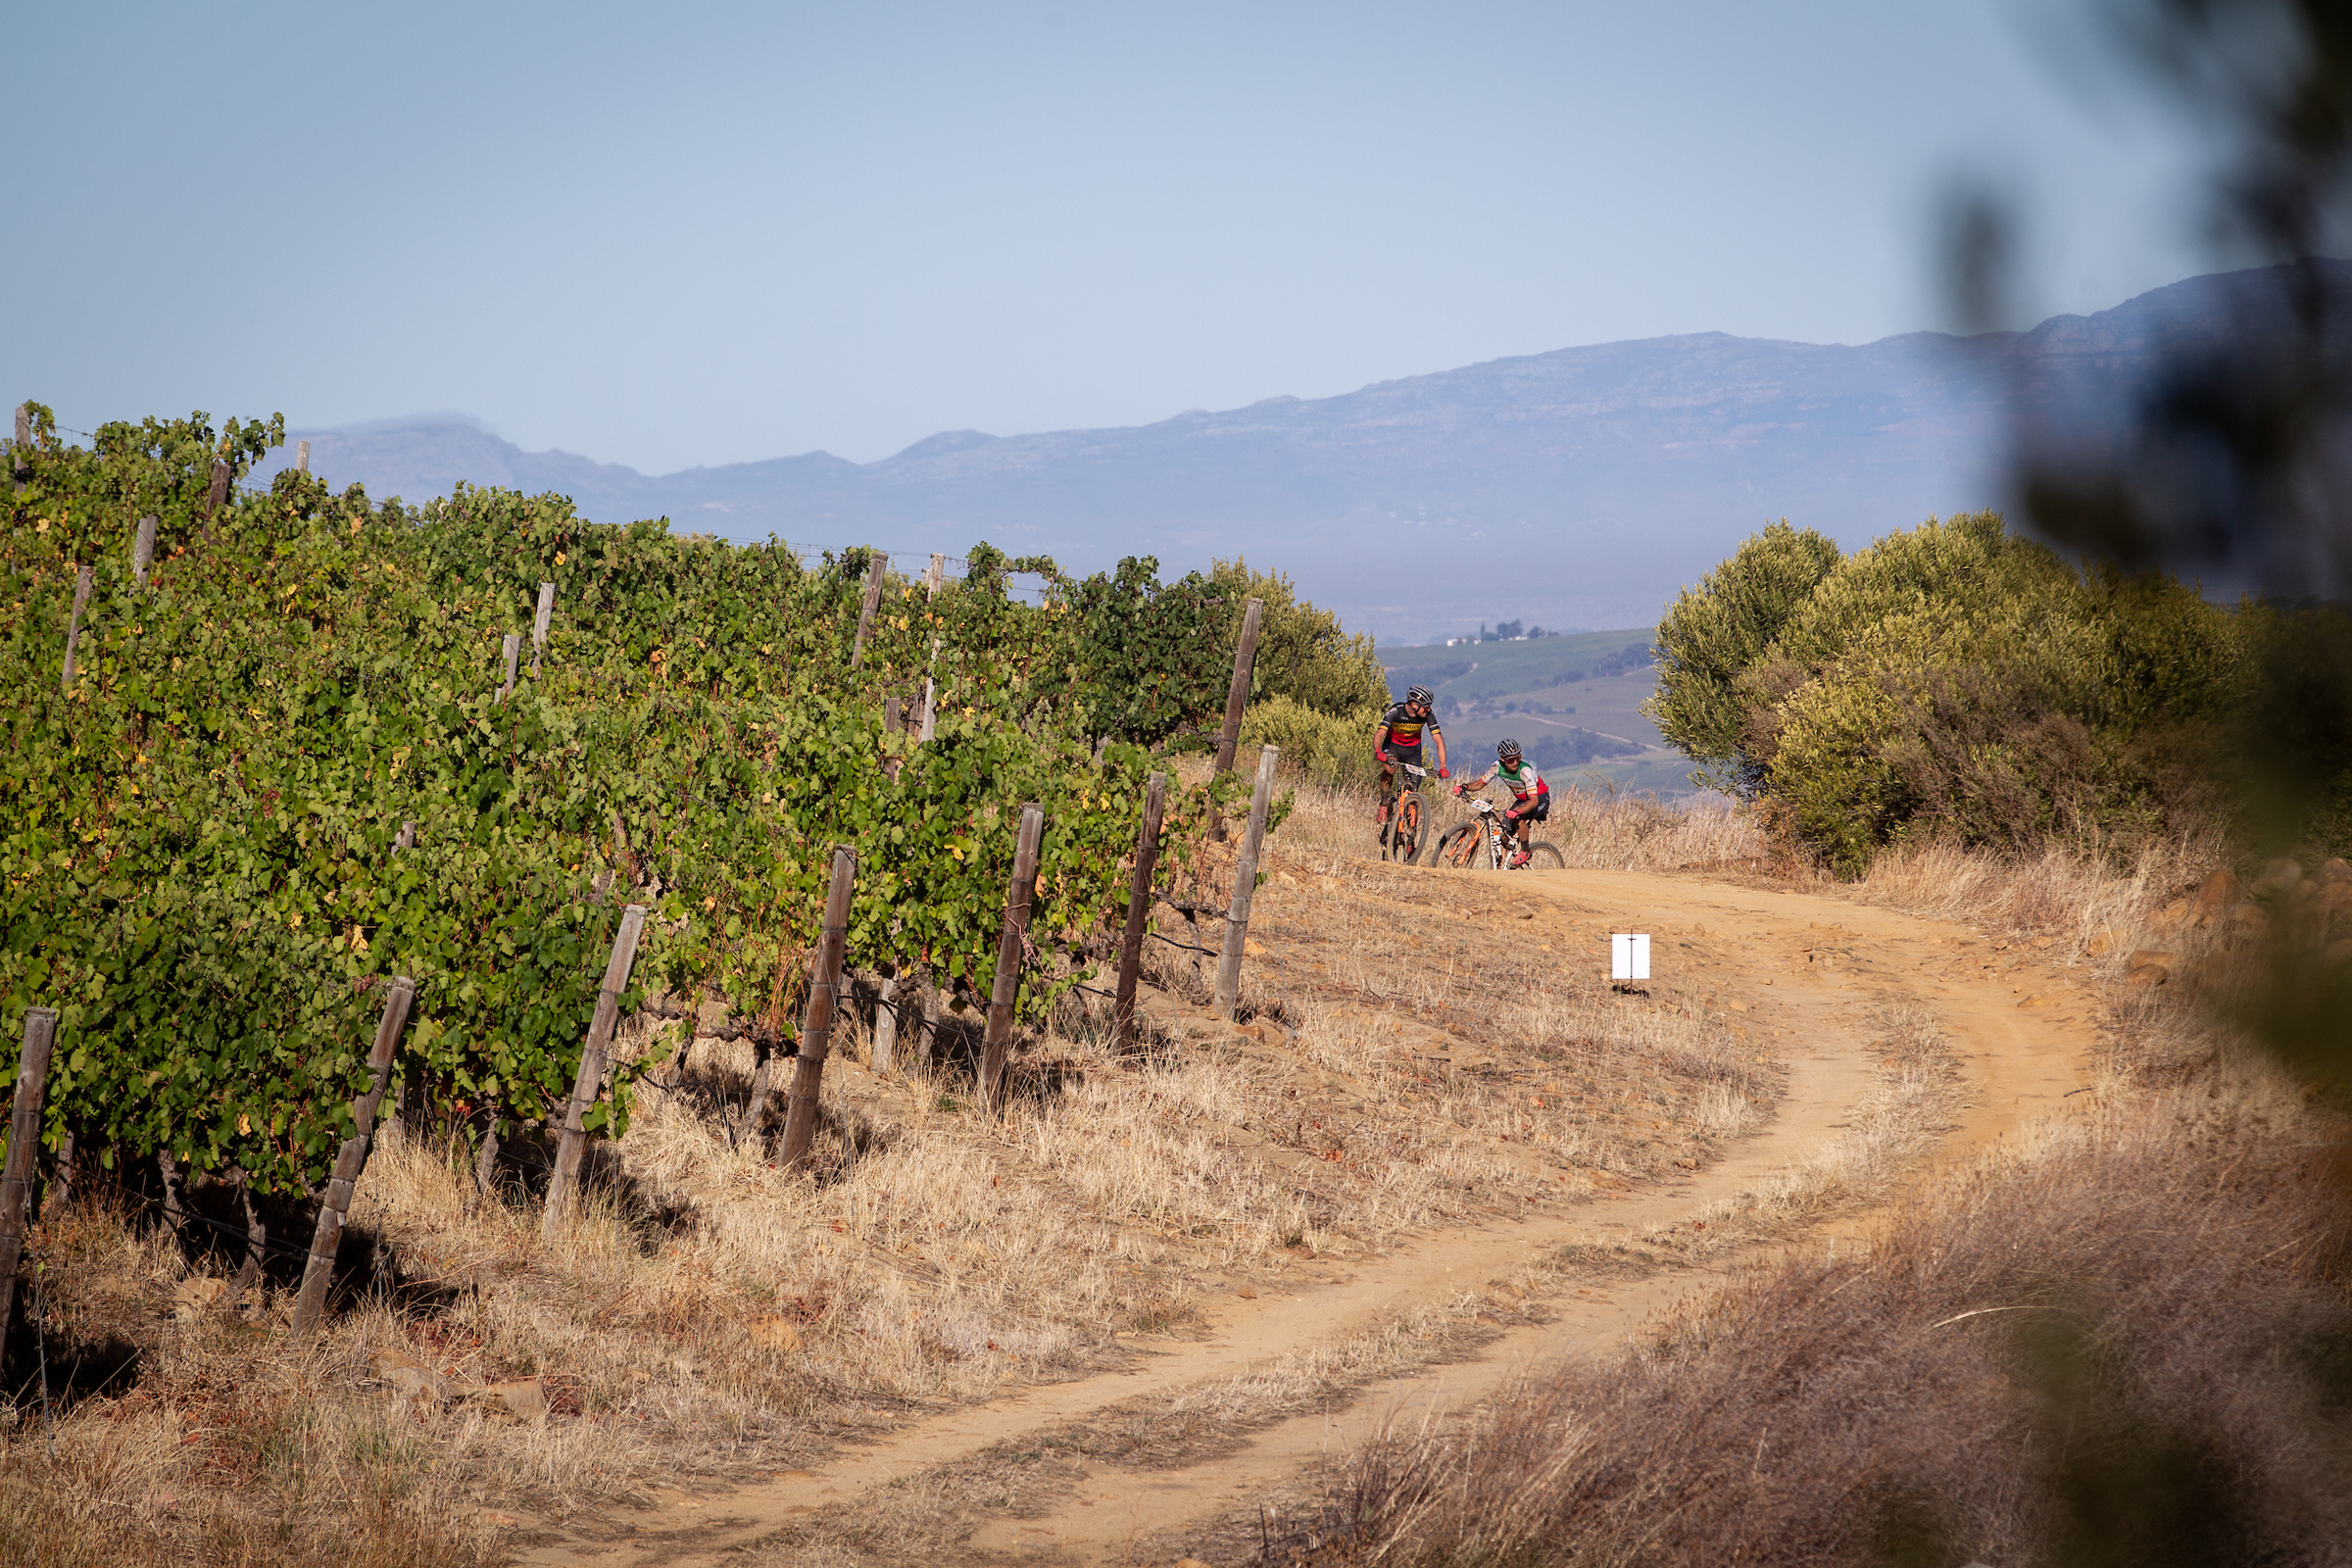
1400	831
1483	844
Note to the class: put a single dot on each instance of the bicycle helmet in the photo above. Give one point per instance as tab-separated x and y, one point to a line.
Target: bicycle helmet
1420	694
1507	752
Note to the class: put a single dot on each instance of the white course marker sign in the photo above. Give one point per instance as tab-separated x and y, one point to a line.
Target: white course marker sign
1629	956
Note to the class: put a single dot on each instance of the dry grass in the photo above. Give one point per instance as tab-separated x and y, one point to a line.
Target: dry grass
1596	828
2127	1341
2027	1366
710	1313
1919	1087
2071	897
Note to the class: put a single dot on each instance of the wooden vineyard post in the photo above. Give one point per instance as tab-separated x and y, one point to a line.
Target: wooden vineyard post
584	1085
23	1144
886	1022
17	466
408	837
817	1026
511	652
926	1035
215	494
1015	936
1139	909
894	722
935	577
142	550
1236	697
81	597
319	1271
1245	884
877	565
540	623
302	457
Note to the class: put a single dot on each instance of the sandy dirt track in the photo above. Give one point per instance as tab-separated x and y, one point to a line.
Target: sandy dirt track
1801	973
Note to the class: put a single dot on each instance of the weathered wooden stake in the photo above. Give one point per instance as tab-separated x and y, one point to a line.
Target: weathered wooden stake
1139	907
23	1142
1015	936
591	1076
877	566
142	550
540	623
886	1022
17	466
485	1162
408	837
215	494
511	652
319	1271
81	597
1245	884
816	1025
257	1244
894	722
935	575
1236	697
302	457
926	1042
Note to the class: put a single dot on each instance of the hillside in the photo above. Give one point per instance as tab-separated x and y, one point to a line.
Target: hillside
1573	703
1577	487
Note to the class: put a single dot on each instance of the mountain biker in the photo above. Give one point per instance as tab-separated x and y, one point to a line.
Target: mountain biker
1530	797
1399	741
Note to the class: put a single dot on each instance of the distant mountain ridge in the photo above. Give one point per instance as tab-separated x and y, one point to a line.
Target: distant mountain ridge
1580	486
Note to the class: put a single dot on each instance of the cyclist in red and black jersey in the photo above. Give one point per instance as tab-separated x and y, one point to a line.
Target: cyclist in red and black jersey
1399	740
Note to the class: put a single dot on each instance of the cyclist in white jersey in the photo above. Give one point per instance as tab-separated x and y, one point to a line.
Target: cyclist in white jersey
1530	797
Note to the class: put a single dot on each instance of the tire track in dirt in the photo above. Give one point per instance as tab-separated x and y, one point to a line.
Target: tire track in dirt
1810	968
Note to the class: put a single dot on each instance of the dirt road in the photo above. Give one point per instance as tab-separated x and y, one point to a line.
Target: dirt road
1800	971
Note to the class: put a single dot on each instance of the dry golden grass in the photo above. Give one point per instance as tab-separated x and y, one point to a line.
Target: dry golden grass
1918	1089
2071	897
2029	1365
707	1312
1594	827
2119	1339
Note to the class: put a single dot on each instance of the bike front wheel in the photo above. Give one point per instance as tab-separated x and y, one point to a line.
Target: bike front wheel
1406	828
1459	847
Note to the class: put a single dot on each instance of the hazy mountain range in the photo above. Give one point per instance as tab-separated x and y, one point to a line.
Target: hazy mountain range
1580	487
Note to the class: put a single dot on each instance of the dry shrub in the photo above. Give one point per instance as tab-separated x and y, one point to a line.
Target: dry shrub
2131	1344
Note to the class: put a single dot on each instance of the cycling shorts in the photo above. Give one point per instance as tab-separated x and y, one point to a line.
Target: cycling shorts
1403	753
1538	809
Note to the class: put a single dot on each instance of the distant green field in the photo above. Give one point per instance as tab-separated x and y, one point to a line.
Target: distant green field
1574	703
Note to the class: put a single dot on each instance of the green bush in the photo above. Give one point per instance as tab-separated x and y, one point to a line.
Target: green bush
1711	635
1333	750
1954	679
1303	652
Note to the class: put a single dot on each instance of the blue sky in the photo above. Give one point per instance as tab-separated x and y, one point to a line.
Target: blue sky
707	233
